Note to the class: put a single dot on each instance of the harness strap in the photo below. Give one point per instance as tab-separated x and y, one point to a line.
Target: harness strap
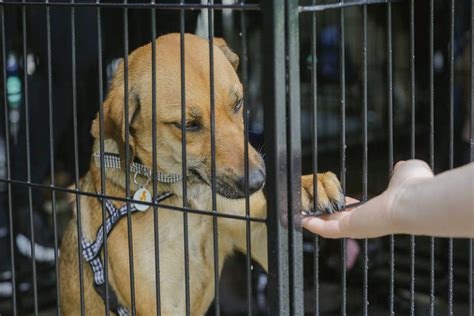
91	252
114	305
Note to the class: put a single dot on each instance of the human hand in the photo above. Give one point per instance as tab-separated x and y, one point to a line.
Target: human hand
374	218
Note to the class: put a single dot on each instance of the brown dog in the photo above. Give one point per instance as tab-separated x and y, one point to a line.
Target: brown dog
229	152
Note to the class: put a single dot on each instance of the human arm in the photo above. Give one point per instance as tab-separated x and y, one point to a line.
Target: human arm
415	202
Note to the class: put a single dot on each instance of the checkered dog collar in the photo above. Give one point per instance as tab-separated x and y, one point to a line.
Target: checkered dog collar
112	161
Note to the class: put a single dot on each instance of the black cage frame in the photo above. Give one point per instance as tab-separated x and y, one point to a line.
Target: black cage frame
281	99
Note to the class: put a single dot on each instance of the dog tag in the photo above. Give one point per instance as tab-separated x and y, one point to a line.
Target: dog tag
144	195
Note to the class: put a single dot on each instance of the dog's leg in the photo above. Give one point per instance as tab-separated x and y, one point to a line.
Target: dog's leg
330	199
237	229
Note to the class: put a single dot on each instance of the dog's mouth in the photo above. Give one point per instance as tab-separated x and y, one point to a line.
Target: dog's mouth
197	175
224	185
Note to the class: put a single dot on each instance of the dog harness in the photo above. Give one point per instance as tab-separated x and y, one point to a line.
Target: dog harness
91	249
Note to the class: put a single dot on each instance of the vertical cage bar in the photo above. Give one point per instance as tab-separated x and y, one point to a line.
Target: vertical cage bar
451	150
343	157
294	160
274	97
471	143
76	157
7	158
215	232
156	231
390	145
28	160
102	151
184	159
412	144
365	166
248	234
314	149
431	151
51	157
412	81
471	289
128	158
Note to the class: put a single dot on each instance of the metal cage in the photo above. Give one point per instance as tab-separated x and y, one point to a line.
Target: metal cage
306	117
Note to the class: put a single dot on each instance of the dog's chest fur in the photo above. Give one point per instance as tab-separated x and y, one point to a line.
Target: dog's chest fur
171	226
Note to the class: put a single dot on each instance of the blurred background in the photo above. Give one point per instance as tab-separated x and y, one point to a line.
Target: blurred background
27	81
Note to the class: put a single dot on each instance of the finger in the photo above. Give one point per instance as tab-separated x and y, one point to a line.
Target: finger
350	201
398	164
410	170
422	165
326	226
413	164
326	229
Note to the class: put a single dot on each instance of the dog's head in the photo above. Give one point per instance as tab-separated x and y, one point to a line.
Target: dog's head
228	101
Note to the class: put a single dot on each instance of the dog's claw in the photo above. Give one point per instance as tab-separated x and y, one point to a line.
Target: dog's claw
328	210
330	196
339	204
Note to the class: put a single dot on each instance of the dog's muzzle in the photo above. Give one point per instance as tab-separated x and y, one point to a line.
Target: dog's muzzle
230	187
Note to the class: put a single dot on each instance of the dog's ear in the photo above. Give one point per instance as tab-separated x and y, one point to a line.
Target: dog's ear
114	117
231	56
111	124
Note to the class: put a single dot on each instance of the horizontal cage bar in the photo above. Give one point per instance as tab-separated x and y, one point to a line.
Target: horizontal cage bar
161	6
339	5
125	200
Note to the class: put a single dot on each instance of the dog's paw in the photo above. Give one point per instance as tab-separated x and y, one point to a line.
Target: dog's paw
329	194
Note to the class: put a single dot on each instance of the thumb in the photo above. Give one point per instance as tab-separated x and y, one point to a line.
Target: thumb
410	170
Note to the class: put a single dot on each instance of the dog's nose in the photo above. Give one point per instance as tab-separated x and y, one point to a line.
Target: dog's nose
256	180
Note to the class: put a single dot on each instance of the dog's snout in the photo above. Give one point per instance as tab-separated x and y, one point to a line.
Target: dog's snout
256	180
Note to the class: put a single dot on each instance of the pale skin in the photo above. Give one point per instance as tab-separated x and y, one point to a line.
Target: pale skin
415	202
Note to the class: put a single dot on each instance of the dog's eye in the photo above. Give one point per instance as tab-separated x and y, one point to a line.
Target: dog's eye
191	126
238	105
